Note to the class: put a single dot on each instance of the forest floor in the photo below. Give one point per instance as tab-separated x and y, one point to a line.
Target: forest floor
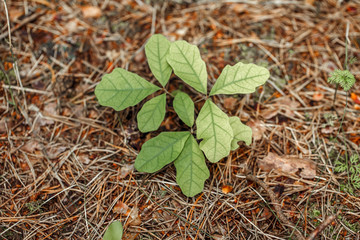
66	166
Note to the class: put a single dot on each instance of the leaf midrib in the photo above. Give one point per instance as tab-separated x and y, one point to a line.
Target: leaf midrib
164	149
240	80
191	66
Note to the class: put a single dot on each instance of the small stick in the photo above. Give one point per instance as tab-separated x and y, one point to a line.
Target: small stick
321	227
276	205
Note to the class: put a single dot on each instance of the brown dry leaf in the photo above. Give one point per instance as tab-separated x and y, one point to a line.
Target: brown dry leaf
226	189
84	159
78	111
121	208
134	217
285	103
329	66
54	152
125	170
91	12
31	146
229	103
181	31
72	26
51	109
130	236
140	56
318	96
5	124
288	105
309	2
270	112
239	7
327	130
258	129
15	13
24	166
218	237
305	168
266	213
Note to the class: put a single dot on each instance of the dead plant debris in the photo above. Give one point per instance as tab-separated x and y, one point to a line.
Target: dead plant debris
66	168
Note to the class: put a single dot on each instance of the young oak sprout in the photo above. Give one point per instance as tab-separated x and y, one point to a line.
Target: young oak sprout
219	134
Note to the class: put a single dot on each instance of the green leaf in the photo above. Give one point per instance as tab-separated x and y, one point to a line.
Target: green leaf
156	50
187	64
152	114
343	77
241	132
114	231
121	89
160	150
191	169
184	107
213	126
240	78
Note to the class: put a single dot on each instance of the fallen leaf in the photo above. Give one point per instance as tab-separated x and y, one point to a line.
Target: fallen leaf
329	66
24	166
93	114
125	170
72	26
266	214
130	236
78	111
15	13
239	7
218	237
91	12
226	189
51	109
288	105
318	96
257	128
327	130
54	152
84	159
355	98
309	2
31	146
270	112
181	31
121	208
140	56
5	125
305	168
134	217
229	103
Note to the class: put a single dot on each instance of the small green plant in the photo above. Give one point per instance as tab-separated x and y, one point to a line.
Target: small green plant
353	170
114	231
34	206
346	80
342	77
219	134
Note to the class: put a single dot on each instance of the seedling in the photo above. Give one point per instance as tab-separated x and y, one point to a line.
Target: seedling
219	134
346	80
353	170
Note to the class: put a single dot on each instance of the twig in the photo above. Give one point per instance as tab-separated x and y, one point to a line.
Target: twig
22	23
276	205
321	227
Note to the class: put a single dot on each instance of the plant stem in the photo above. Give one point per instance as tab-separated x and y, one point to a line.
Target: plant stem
333	104
168	92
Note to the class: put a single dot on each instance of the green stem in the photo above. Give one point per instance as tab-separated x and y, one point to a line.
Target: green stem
7	81
167	92
333	104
